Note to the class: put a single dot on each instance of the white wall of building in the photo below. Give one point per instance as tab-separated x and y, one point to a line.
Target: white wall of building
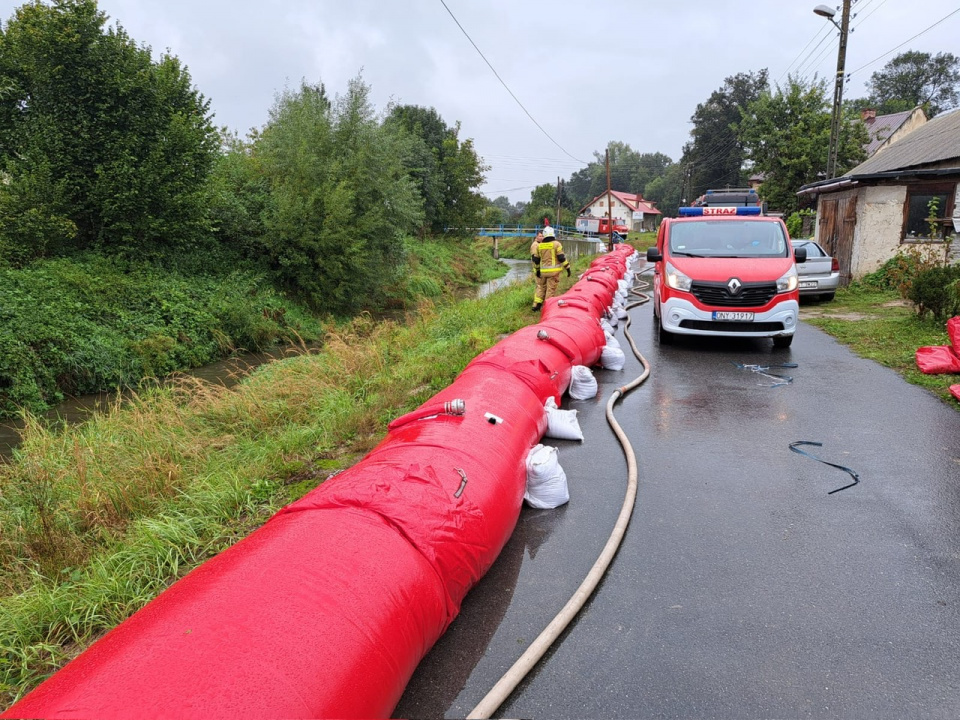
879	227
619	210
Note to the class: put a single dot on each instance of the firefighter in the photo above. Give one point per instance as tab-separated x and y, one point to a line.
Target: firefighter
546	252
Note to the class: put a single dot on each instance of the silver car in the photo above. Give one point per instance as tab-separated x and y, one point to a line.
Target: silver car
820	274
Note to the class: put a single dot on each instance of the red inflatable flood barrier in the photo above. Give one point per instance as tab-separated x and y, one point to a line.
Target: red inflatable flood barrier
328	608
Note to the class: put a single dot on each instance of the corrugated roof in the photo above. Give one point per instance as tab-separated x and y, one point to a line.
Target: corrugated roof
882	127
936	141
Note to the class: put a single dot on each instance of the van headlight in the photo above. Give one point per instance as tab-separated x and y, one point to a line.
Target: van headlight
788	282
677	280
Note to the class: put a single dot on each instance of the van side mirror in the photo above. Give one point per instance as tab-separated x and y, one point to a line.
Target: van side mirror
800	254
653	255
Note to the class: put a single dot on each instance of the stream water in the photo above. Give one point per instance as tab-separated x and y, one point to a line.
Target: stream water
226	372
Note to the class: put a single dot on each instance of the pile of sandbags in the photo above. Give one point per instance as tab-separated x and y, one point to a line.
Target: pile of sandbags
938	359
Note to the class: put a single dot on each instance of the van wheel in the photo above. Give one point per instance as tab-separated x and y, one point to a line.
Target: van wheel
783	341
664	337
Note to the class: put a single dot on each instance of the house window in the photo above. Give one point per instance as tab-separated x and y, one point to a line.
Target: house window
929	209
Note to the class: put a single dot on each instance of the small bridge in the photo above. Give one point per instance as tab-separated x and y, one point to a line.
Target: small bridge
575	242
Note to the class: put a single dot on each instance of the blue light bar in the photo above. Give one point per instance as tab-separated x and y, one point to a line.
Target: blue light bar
732	210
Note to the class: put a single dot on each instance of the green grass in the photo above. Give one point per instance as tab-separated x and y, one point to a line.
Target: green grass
879	325
98	518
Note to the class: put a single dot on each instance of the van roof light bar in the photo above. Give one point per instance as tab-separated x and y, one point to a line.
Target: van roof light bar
731	210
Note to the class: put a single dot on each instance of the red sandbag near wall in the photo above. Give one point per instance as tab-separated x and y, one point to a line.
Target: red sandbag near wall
937	359
953	332
327	609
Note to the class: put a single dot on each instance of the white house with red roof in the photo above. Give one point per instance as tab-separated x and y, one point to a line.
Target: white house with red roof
635	212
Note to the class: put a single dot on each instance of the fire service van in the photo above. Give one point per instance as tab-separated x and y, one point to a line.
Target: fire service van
727	271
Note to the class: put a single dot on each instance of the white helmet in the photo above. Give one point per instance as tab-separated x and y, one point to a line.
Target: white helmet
548	232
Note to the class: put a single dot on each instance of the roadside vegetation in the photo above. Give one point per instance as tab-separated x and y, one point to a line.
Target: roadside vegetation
882	317
98	518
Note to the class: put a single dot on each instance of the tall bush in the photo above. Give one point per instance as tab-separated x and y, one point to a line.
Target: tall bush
936	290
340	198
101	146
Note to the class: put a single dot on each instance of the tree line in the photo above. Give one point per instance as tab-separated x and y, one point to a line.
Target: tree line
749	127
103	149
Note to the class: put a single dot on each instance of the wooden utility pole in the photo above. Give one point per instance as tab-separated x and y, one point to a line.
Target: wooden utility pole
609	203
556	220
838	92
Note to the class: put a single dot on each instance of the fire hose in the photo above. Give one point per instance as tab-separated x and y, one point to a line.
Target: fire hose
538	648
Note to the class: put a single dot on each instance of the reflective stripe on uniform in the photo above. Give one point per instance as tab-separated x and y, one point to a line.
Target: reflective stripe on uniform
548	252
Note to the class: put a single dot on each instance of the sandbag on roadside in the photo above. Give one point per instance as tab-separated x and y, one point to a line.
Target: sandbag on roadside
937	359
546	481
583	385
561	424
953	332
612	358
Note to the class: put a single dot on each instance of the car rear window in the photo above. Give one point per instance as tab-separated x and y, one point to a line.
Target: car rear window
813	250
728	238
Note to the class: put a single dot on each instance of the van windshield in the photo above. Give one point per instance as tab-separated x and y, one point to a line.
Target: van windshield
728	238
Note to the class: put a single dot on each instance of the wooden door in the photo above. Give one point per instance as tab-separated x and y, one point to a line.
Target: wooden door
838	220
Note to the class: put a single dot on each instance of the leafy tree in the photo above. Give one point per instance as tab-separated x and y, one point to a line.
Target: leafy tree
666	190
716	154
544	196
239	193
340	199
99	144
512	212
447	171
916	78
787	137
630	171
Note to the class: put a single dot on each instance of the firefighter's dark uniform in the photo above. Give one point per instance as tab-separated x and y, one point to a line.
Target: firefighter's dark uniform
548	261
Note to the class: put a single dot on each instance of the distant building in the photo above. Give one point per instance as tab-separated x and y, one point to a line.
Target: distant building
638	214
884	130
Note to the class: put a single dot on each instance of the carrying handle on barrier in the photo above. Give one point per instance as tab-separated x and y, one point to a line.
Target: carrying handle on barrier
545	337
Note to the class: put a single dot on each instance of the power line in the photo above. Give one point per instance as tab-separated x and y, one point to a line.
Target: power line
442	2
802	62
905	42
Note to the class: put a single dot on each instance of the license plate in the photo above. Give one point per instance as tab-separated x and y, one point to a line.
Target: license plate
728	315
808	284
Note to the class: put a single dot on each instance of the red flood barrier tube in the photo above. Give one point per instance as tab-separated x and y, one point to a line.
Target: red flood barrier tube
327	609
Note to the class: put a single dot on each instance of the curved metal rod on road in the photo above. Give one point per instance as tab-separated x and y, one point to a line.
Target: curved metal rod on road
508	683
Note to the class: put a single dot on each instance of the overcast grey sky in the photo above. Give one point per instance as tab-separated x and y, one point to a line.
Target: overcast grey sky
588	72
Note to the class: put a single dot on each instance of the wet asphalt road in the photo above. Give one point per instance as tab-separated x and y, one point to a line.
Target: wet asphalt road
742	589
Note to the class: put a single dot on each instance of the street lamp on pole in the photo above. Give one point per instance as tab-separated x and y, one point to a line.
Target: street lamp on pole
844	28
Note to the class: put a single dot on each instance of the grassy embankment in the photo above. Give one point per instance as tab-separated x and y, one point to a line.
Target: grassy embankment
96	519
71	326
880	325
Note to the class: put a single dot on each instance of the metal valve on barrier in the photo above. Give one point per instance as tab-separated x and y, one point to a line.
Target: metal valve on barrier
545	337
454	407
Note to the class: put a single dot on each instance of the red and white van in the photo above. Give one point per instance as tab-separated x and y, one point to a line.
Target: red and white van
726	271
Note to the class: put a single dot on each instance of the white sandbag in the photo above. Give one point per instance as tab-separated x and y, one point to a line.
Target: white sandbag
583	385
612	341
612	358
611	317
621	313
561	424
607	327
546	481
